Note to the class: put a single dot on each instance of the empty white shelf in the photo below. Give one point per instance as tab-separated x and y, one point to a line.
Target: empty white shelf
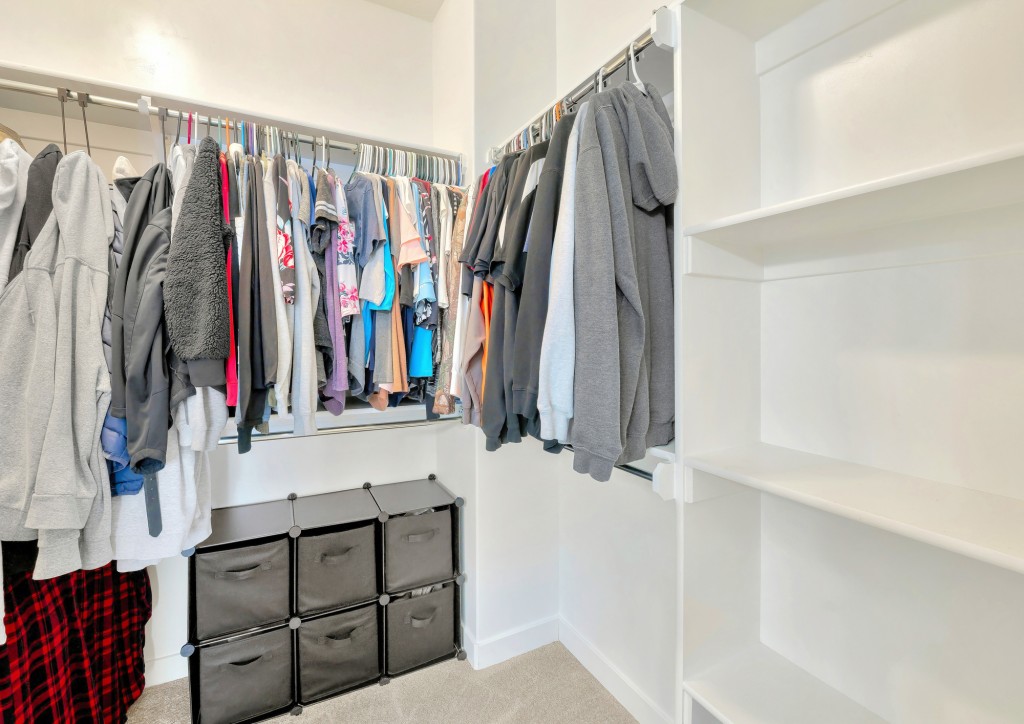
978	182
759	686
980	525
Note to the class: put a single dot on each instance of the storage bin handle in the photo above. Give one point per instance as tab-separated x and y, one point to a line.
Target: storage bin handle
242	664
334	559
421	537
336	641
244	573
418	622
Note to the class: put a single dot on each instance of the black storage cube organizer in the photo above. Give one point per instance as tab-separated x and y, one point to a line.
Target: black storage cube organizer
419	545
339	652
420	629
337	558
246	678
299	600
241	575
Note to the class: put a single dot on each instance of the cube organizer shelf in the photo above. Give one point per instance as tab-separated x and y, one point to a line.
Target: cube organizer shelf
292	602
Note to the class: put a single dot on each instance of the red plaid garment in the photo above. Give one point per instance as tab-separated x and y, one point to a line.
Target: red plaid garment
74	646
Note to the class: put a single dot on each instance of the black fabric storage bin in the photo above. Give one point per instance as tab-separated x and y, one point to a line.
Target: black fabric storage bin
337	569
420	629
417	550
246	678
338	652
242	588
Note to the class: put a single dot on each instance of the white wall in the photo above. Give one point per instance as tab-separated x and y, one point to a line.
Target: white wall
454	73
349	65
590	32
617	586
515	68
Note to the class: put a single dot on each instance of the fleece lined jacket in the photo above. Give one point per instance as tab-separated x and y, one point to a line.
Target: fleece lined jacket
196	293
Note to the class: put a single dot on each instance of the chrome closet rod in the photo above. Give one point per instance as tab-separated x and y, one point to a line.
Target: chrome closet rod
306	135
368	427
586	87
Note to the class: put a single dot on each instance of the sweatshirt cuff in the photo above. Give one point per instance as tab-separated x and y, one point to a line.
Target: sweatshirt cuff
554	425
57	557
148	461
49	512
207	372
596	466
660	433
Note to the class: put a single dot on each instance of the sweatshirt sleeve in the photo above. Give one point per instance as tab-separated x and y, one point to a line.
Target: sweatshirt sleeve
595	434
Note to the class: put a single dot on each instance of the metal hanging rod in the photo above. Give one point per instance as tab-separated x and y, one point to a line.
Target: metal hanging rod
582	90
661	32
214	117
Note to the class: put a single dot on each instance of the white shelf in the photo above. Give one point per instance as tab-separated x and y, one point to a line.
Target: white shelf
979	182
976	524
761	687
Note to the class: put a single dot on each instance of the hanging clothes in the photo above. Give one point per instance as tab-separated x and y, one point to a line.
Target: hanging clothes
14	170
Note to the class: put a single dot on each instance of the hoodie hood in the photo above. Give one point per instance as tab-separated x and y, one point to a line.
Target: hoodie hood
648	131
81	204
14	165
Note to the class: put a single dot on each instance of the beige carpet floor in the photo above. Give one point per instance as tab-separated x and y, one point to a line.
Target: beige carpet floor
546	686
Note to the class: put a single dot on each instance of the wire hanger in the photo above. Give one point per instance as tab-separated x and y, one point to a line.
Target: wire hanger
83	101
62	96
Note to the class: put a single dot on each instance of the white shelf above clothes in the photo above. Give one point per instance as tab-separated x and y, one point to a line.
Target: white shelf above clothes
800	237
976	524
758	686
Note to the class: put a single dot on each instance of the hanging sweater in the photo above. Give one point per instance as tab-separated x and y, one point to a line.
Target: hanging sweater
625	161
558	346
14	171
55	382
304	368
279	213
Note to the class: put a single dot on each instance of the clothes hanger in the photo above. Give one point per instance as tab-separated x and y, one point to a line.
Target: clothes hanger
83	101
632	68
62	96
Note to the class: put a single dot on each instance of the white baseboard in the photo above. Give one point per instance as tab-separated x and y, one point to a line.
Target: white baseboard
165	668
512	643
636	702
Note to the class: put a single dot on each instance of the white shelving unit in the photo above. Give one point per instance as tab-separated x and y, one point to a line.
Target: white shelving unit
973	523
758	685
851	352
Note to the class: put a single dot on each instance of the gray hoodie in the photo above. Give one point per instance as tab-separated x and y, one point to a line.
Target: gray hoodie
55	380
625	164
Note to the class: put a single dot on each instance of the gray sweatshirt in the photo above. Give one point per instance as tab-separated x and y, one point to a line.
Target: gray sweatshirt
611	388
55	380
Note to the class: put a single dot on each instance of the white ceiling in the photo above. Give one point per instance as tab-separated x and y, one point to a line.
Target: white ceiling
425	9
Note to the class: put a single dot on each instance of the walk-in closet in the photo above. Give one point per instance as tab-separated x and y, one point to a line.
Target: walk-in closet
538	362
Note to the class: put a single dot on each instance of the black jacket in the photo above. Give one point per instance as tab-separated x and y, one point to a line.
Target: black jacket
141	376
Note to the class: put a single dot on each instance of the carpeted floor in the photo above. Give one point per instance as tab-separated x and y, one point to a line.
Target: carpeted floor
546	686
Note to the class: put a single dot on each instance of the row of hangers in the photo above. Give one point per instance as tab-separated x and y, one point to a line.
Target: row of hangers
256	139
386	161
541	129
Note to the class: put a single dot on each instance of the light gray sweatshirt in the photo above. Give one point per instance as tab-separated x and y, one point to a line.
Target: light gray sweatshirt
614	176
55	380
558	346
